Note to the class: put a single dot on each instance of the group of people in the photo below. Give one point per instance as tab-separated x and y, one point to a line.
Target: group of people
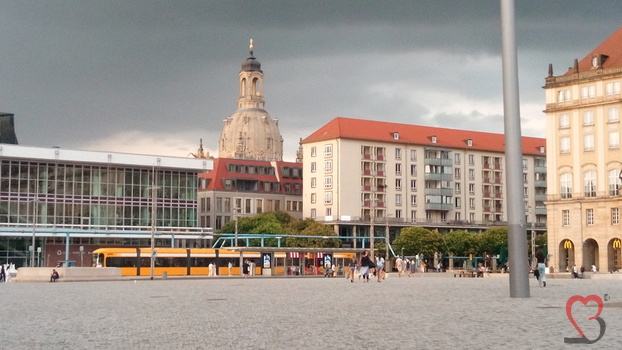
580	273
5	272
409	267
367	266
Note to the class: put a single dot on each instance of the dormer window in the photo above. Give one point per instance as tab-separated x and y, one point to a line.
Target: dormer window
541	148
469	142
396	135
433	139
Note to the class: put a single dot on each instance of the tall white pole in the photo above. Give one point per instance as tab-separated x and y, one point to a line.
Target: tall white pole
154	209
34	230
517	235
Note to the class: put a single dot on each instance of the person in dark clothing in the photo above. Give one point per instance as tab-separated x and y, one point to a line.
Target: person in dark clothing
366	264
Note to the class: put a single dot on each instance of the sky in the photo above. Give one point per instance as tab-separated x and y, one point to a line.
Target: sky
155	77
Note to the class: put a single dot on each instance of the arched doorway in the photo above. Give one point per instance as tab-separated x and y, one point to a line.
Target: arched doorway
614	255
590	253
566	255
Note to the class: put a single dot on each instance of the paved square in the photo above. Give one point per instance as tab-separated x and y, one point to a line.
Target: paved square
430	312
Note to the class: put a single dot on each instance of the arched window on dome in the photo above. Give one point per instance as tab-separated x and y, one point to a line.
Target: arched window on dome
243	87
269	143
255	88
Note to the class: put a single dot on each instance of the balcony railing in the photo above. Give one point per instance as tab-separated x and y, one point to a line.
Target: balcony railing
437	177
440	191
438	161
439	206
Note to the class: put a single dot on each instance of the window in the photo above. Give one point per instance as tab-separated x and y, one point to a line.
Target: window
588	142
329	212
413	200
615	216
588	117
472	188
524	164
565	217
564	121
564	95
471	174
398	184
472	204
614	182
413	170
313	167
614	139
328	150
313	151
313	182
588	91
413	185
398	153
589	217
413	215
398	213
457	187
565	183
398	199
313	198
613	114
313	213
457	173
564	145
471	159
398	169
328	166
328	182
328	197
589	184
456	158
413	154
612	88
525	192
458	202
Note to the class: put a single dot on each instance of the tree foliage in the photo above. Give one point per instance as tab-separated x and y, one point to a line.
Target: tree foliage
310	227
462	243
494	240
419	240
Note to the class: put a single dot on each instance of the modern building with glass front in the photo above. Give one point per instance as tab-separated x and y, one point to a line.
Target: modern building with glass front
71	202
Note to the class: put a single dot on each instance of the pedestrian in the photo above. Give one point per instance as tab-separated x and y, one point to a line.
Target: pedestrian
352	268
245	268
365	265
422	267
540	268
398	265
2	273
54	276
582	272
594	269
230	266
379	267
575	271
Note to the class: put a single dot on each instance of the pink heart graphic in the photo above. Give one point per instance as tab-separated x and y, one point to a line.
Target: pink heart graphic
584	301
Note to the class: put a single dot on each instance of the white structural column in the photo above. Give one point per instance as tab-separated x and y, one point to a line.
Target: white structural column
517	242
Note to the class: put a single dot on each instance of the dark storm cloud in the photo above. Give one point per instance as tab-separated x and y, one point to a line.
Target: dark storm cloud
155	76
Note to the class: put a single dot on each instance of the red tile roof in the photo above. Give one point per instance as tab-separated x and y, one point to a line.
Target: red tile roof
611	47
360	129
221	172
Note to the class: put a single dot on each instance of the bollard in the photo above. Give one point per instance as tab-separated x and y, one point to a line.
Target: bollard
164	275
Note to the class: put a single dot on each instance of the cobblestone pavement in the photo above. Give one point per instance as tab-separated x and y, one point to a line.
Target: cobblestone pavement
429	312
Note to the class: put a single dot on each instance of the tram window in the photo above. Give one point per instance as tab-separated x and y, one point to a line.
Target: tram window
199	262
178	262
145	262
120	262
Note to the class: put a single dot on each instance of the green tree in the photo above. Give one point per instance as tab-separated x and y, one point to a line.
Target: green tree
310	227
462	243
494	240
416	240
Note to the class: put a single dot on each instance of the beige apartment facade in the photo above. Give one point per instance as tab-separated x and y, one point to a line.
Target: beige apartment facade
361	173
584	157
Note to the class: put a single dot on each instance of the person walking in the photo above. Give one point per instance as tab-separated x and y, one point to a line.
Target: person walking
575	271
245	268
230	266
352	268
399	266
541	268
379	267
364	266
2	273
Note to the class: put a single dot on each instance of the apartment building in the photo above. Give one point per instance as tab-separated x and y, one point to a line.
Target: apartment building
363	173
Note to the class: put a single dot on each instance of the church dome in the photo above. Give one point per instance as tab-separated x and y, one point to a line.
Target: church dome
251	65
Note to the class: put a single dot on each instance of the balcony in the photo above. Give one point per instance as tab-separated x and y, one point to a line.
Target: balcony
448	192
540	183
540	169
438	161
439	206
540	197
540	211
437	177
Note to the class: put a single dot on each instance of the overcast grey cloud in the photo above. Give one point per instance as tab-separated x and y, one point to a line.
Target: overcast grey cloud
148	76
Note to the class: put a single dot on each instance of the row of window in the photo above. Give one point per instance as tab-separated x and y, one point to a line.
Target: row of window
613	116
250	169
589	217
613	142
611	88
589	184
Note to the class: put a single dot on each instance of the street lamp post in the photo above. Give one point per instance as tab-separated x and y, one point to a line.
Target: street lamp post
34	230
371	226
154	208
